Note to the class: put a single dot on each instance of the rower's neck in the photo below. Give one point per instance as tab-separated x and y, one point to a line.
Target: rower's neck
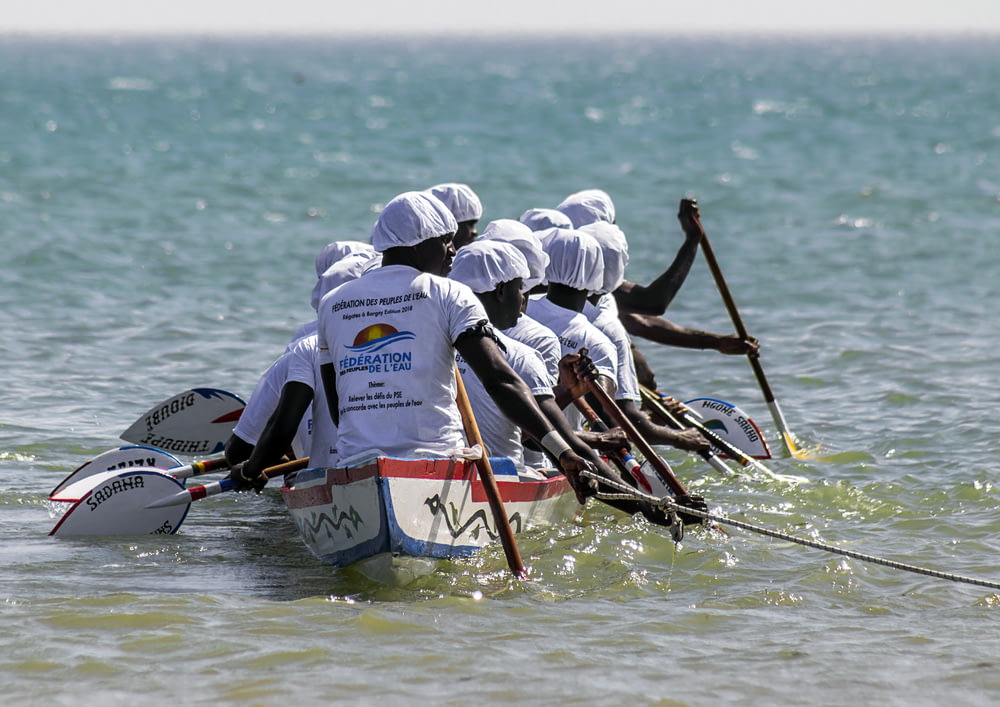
567	297
401	256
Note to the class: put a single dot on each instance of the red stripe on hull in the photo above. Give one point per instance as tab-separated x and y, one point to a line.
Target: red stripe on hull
426	469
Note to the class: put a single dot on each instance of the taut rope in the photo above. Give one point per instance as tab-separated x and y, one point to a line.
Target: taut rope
626	492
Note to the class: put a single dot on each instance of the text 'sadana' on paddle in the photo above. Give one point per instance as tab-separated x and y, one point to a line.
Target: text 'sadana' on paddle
76	484
196	422
489	482
741	331
142	501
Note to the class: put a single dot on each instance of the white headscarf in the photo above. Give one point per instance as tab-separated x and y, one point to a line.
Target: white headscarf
484	264
522	238
614	248
411	218
540	219
463	203
588	206
575	260
348	268
337	250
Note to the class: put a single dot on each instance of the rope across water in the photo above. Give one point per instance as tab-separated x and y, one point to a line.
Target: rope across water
626	492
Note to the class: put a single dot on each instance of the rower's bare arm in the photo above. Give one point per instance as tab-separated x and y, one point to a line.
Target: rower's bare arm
655	297
276	438
663	331
329	376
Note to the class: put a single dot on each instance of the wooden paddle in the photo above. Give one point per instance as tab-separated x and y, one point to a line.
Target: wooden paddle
741	331
71	488
682	497
624	460
196	421
489	482
142	501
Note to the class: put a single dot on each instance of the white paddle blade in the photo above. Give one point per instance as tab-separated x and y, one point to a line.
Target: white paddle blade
731	424
116	504
196	422
120	459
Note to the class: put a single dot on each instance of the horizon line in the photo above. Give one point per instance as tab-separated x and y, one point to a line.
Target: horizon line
495	34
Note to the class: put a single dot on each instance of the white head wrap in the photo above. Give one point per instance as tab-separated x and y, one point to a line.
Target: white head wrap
348	268
522	238
463	203
540	219
614	248
575	260
484	264
411	218
337	250
588	206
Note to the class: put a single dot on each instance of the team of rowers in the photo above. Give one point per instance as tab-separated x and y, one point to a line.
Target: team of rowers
510	309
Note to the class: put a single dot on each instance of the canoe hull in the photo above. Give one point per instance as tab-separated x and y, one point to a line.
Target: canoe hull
415	507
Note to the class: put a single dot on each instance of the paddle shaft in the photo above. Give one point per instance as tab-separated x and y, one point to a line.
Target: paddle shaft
707	454
625	461
741	331
489	482
196	493
199	468
666	473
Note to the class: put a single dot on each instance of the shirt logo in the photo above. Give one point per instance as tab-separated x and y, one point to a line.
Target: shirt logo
367	343
377	336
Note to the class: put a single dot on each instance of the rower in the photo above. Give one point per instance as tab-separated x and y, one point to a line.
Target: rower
286	411
576	269
641	307
387	350
338	250
544	219
350	267
496	271
525	329
464	205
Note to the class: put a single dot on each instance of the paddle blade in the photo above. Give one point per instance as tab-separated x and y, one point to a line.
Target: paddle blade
116	504
731	424
198	421
120	459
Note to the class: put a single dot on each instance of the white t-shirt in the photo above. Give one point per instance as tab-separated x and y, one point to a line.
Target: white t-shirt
604	316
389	336
307	329
544	341
575	332
500	435
316	434
541	339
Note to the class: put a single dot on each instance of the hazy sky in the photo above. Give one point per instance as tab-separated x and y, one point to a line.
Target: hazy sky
499	16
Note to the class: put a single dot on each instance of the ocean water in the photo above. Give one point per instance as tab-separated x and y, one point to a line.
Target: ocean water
162	202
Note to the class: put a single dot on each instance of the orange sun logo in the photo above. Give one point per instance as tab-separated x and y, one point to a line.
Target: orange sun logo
373	333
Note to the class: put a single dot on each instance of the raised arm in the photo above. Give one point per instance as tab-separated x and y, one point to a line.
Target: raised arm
655	297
